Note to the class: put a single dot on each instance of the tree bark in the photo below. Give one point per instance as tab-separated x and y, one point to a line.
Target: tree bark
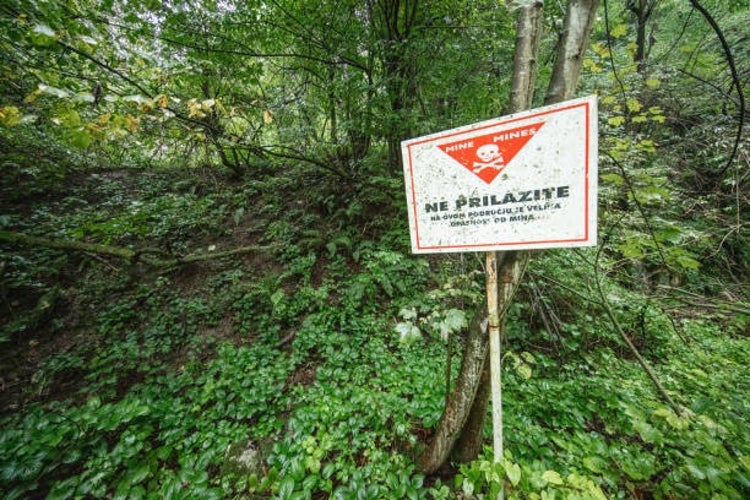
578	22
642	10
469	444
528	35
460	399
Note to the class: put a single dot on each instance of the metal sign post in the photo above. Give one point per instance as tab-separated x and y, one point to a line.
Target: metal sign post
496	388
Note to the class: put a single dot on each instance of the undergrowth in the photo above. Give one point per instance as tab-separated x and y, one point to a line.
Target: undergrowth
327	360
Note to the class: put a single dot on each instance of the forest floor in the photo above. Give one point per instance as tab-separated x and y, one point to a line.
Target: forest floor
322	349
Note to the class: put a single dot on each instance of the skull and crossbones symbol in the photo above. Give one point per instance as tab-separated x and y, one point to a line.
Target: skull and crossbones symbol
491	158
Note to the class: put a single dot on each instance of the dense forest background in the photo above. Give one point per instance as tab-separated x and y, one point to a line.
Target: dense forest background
206	283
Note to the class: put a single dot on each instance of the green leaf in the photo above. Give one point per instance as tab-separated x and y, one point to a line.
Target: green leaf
80	138
42	35
331	247
595	464
408	313
524	370
286	488
69	118
616	121
513	471
84	97
648	433
552	477
408	332
238	215
619	30
687	262
87	40
454	319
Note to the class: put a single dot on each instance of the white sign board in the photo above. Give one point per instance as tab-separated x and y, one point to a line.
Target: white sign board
522	181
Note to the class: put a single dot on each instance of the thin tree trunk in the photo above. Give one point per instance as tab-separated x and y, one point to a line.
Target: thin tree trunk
529	33
465	416
511	265
460	400
578	22
469	443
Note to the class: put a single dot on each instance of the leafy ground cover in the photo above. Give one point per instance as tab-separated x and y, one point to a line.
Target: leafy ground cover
323	360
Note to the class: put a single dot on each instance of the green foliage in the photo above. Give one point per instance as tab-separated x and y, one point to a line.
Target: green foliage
483	477
329	355
162	436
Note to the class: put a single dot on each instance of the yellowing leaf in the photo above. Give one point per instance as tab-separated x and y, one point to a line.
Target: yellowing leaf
600	49
592	65
653	82
640	119
220	108
609	99
69	118
552	477
147	106
132	122
616	121
161	101
619	30
513	471
634	105
613	178
195	109
10	115
32	97
267	117
524	370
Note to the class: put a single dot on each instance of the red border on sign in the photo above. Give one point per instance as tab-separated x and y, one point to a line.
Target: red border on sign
587	193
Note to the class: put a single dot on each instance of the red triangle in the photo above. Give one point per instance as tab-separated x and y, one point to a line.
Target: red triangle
488	155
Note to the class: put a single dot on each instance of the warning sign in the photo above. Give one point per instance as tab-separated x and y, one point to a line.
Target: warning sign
526	180
486	155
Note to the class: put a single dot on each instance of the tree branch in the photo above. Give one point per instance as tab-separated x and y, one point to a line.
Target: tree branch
128	254
735	79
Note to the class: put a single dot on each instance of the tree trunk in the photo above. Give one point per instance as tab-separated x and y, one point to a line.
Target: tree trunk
511	265
469	443
460	399
641	9
528	34
578	22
